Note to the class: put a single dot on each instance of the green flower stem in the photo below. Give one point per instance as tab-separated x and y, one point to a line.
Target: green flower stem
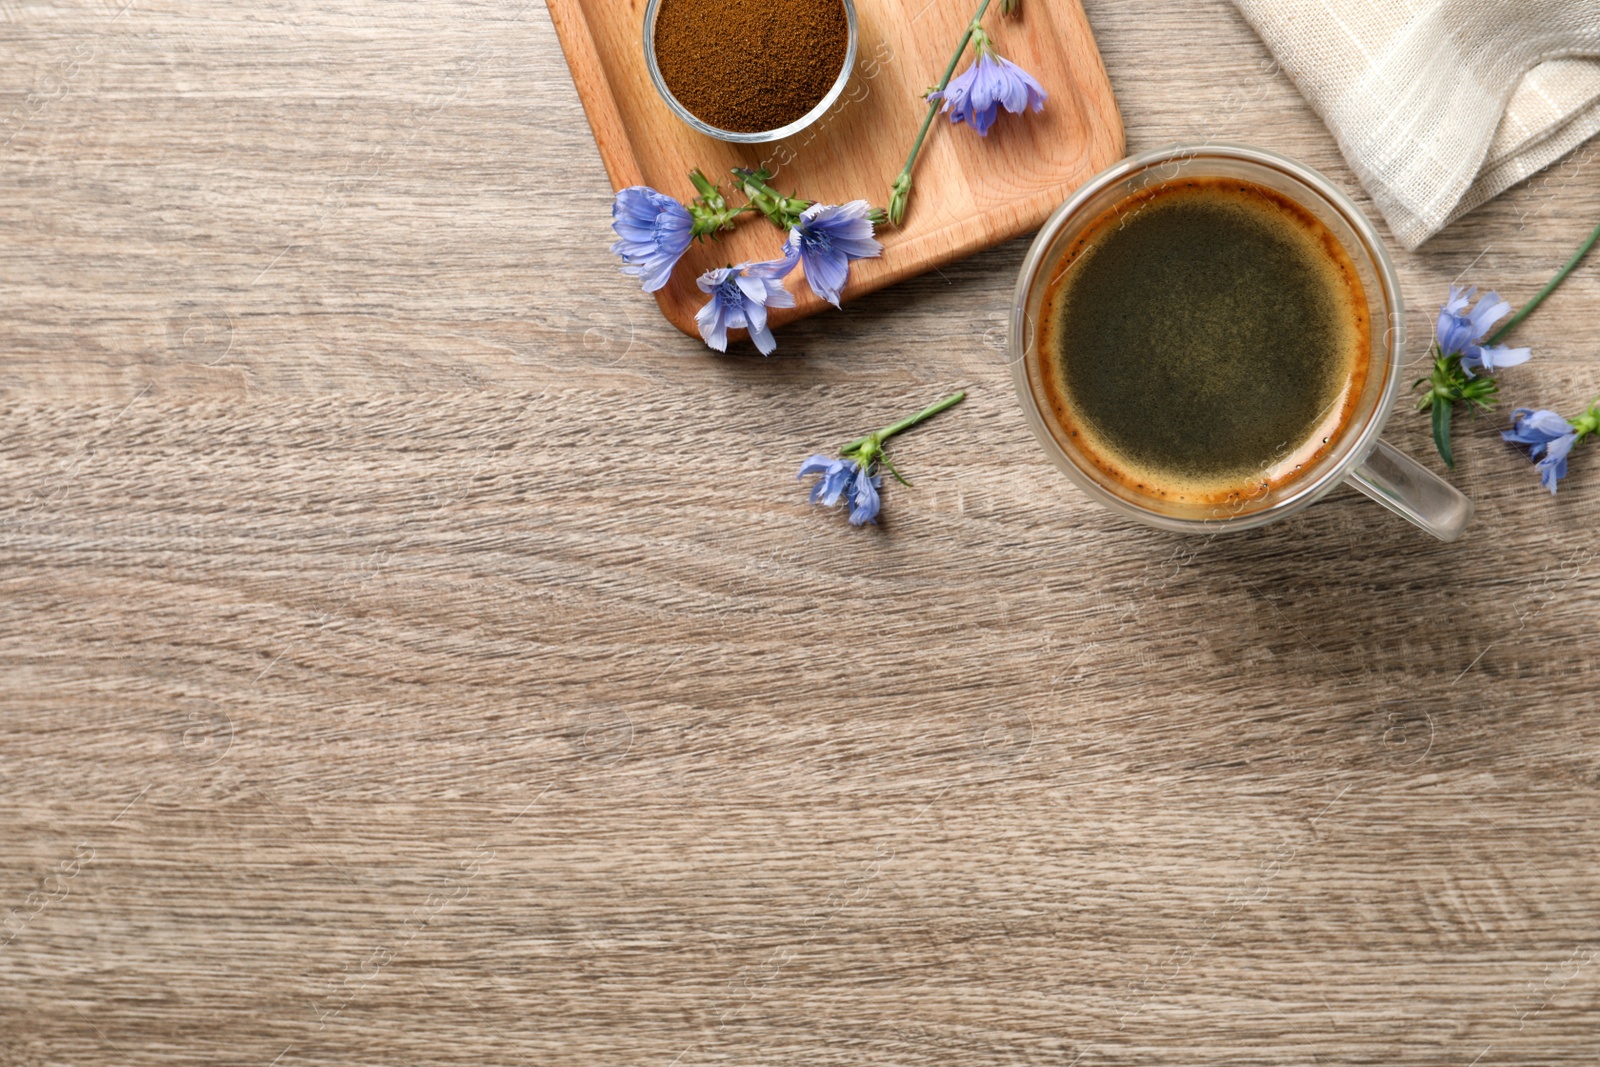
1561	276
709	193
1441	431
900	190
1449	383
876	440
712	223
782	211
751	181
1588	423
711	212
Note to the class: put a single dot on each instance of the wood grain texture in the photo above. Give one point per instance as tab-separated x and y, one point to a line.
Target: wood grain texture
414	650
969	194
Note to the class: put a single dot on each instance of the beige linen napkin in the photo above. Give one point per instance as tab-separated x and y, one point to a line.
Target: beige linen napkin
1440	105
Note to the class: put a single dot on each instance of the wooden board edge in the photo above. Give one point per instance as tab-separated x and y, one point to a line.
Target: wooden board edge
1089	47
594	93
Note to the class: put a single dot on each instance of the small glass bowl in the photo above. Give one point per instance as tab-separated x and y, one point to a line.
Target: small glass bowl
759	136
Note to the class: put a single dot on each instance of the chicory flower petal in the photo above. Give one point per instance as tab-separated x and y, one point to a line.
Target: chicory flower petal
740	297
976	95
1549	439
826	239
653	232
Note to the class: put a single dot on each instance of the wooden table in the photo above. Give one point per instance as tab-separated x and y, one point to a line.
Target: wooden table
416	651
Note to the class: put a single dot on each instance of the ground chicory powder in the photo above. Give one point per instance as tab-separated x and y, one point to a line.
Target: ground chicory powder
750	65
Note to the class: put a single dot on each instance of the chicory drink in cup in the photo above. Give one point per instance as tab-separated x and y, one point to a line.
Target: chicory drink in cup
1211	337
1204	341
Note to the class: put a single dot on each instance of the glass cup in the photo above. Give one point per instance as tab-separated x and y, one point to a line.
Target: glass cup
1357	456
759	136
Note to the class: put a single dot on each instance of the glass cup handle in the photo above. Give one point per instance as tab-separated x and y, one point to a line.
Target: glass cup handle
1412	491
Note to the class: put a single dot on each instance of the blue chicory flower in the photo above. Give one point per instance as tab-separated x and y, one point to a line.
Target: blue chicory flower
826	239
845	479
740	297
977	93
1549	438
836	477
654	231
864	500
1460	330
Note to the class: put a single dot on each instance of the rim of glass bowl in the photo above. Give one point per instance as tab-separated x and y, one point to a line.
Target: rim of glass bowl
759	136
1361	445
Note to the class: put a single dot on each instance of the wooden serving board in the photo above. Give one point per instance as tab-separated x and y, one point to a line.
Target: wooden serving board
970	192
